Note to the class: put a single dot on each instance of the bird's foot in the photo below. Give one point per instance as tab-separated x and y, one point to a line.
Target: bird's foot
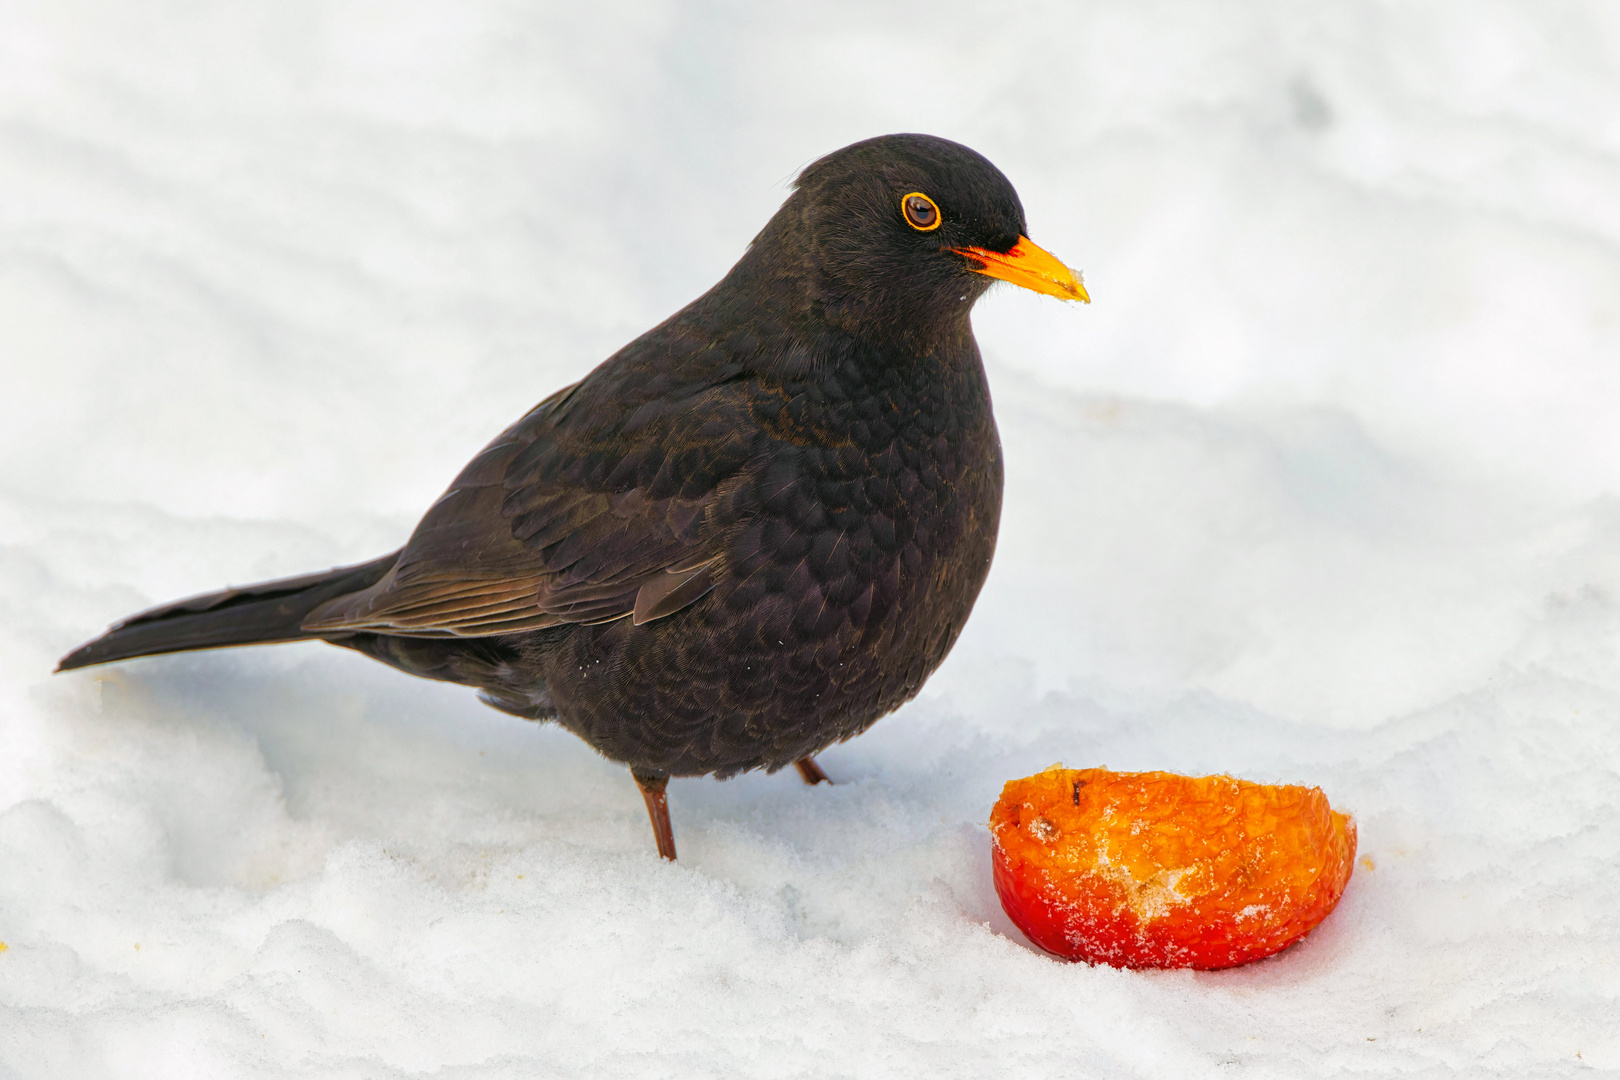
652	791
811	771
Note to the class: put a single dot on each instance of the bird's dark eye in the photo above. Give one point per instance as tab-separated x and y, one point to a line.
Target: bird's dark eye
920	211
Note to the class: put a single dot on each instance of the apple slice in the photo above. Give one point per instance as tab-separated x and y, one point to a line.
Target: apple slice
1158	870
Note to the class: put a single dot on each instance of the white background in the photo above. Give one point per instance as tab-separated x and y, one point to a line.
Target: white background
1320	489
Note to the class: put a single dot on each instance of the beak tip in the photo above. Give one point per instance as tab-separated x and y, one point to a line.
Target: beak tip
1075	290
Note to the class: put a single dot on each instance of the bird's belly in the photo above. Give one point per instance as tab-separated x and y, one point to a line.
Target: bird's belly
814	635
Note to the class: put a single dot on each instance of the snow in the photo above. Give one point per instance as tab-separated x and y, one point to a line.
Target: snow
1322	489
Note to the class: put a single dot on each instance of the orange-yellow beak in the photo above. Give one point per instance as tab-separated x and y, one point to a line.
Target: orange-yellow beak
1031	267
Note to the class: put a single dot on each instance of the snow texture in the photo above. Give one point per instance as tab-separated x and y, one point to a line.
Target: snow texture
1321	489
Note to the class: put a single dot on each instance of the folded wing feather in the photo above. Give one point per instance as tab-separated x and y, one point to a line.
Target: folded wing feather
524	539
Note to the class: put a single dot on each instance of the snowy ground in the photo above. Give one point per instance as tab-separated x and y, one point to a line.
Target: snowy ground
1322	489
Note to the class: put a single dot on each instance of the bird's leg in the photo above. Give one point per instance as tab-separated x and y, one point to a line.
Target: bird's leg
811	771
652	790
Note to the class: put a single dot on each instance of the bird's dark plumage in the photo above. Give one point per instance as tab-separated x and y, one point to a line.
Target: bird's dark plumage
748	534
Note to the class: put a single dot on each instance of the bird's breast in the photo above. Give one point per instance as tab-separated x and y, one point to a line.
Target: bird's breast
878	498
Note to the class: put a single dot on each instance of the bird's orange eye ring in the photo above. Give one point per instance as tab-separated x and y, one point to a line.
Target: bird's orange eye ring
920	212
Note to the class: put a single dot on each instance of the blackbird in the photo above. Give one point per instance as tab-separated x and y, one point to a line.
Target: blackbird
749	533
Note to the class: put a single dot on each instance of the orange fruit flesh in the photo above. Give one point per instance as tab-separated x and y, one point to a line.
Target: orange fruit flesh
1158	870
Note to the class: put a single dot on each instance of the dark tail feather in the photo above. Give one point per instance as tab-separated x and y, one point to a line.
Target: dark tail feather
252	615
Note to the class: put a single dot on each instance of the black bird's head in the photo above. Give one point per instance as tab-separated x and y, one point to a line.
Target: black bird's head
894	238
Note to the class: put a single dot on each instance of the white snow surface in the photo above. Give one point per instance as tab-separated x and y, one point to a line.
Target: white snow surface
1321	489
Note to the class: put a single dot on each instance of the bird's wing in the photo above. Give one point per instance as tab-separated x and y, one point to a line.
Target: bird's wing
611	498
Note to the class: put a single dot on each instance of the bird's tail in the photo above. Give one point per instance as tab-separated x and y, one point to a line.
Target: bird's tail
260	614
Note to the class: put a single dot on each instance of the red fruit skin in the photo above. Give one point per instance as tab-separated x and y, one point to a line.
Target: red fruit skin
1081	927
1087	916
